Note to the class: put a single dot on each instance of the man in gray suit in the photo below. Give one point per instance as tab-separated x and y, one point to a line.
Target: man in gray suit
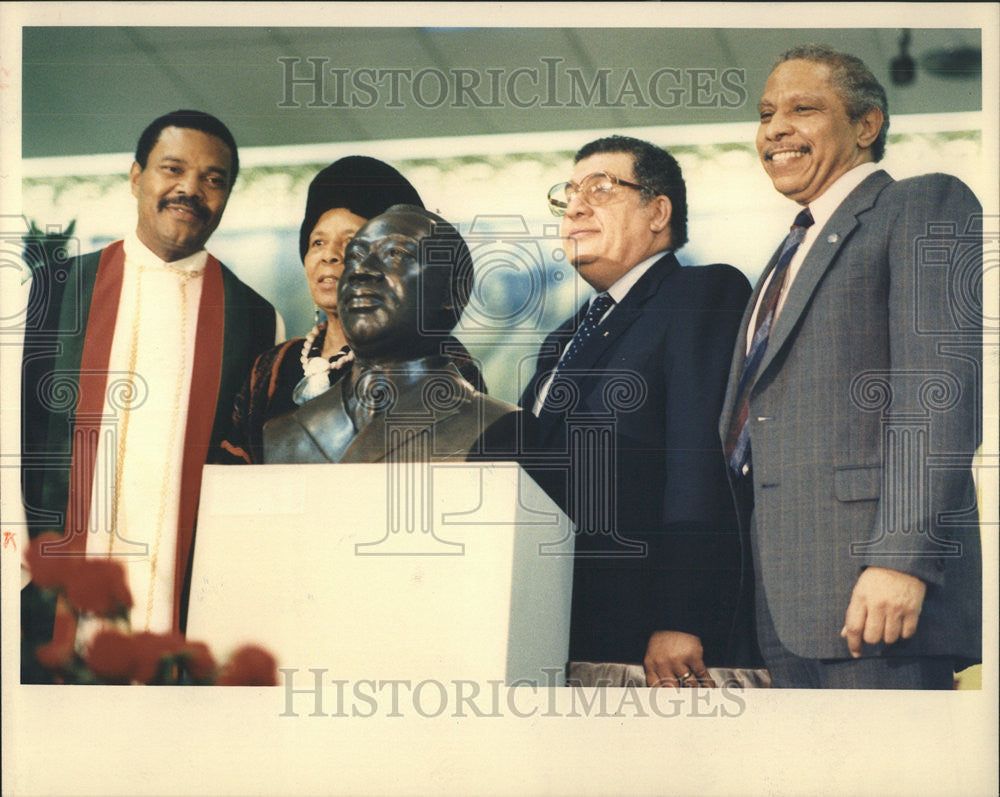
853	406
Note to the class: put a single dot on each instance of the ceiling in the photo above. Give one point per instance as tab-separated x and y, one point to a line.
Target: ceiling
92	89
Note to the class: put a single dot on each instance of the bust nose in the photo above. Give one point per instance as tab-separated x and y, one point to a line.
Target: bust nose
366	269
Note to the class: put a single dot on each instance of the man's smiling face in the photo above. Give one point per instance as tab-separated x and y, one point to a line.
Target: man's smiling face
805	139
182	191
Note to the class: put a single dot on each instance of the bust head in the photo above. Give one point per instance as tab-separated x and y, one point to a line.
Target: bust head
407	277
341	198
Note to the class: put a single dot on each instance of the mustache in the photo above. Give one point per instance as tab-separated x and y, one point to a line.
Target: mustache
190	202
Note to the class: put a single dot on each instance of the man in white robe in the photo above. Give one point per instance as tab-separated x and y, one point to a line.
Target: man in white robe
151	337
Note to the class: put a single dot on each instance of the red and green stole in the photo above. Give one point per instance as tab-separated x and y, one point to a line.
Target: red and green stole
234	325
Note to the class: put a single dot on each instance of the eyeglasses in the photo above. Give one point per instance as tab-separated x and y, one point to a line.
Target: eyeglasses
595	189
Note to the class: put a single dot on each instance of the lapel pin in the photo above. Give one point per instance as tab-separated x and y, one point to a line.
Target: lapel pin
832	239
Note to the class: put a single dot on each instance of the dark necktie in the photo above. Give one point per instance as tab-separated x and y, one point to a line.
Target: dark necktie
738	437
601	304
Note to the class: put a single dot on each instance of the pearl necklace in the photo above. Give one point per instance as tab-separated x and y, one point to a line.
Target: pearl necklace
316	367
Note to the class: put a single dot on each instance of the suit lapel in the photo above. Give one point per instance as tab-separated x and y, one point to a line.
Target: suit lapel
411	405
740	348
823	253
623	315
331	432
610	331
558	340
548	355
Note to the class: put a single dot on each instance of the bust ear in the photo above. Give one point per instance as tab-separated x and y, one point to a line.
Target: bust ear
662	209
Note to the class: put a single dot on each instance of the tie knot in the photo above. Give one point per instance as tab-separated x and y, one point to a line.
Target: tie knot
803	220
602	302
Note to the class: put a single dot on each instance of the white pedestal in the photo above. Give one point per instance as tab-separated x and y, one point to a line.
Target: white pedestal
428	571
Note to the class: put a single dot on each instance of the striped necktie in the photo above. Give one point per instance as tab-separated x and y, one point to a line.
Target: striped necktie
738	437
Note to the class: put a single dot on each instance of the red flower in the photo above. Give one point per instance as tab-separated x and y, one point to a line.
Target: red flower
55	657
57	654
49	569
199	661
112	657
121	658
150	650
250	666
98	586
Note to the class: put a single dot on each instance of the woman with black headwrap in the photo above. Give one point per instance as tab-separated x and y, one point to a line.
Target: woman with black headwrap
341	199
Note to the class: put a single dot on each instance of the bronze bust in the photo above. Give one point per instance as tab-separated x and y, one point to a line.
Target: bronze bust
407	277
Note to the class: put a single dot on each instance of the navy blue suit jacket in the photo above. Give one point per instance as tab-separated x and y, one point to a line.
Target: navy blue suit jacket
629	448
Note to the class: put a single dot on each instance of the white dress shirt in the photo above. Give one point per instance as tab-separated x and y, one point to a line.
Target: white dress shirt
821	208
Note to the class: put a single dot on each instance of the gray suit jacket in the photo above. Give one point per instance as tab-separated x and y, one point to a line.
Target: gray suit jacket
865	414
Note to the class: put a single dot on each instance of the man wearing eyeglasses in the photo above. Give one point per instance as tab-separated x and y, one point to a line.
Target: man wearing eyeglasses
627	394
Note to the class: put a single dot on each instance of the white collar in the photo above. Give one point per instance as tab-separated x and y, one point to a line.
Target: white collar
620	287
138	252
825	205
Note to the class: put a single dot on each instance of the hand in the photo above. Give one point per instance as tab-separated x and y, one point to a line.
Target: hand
884	607
673	654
